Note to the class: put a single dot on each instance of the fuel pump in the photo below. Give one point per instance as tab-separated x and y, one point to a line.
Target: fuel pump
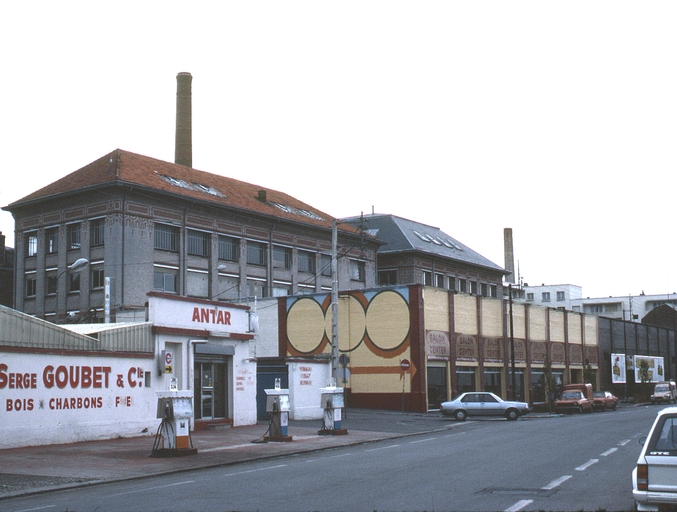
332	404
277	404
172	439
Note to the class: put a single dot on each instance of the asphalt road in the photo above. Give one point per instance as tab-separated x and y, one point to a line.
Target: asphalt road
578	462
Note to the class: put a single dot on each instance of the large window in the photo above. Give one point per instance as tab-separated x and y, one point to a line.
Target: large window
198	243
51	283
97	229
52	240
98	279
357	270
74	282
73	234
164	281
31	286
31	244
439	280
427	278
281	257
387	277
166	238
229	248
326	265
256	254
306	262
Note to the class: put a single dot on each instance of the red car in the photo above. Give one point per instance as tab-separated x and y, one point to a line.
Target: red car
603	400
573	401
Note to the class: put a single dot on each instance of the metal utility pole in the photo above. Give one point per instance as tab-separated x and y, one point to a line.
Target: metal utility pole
334	302
512	347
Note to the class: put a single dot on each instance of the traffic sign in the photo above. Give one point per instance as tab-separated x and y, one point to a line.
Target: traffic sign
405	365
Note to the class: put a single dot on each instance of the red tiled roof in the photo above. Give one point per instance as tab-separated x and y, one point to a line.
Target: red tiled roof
123	167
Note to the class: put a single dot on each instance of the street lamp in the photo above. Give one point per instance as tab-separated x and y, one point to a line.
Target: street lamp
77	266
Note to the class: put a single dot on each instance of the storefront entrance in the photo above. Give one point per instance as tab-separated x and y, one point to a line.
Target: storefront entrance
437	386
210	385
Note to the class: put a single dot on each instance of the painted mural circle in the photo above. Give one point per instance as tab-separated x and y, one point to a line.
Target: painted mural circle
388	320
352	310
305	322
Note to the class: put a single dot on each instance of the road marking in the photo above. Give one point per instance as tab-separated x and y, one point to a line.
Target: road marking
623	443
382	448
519	505
587	465
330	457
36	508
456	434
422	440
609	452
255	470
556	483
146	489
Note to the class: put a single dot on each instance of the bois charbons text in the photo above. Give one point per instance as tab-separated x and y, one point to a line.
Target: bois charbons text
84	380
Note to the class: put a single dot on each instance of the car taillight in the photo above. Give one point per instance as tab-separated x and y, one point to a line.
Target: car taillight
642	477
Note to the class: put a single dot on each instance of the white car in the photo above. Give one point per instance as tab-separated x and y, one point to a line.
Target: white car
482	403
654	479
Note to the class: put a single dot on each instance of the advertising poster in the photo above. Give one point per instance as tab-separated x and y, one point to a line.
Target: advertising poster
649	369
618	368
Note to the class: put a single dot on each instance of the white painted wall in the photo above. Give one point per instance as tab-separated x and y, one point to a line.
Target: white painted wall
51	399
305	381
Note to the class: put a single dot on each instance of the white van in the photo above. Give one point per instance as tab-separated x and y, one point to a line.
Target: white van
664	392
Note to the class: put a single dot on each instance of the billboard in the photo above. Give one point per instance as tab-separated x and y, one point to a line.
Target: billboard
618	368
649	369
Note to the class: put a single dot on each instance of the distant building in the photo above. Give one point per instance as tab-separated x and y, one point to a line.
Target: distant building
415	253
560	296
6	273
629	307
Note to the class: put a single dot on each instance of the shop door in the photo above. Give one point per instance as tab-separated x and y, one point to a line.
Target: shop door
210	390
437	386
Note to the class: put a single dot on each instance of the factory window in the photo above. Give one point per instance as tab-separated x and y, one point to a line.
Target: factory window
31	286
256	254
357	270
560	296
97	228
73	236
52	240
306	262
198	243
31	244
326	265
229	248
164	281
97	278
545	296
166	238
281	257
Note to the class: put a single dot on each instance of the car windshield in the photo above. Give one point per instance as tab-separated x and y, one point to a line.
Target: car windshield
665	438
599	394
571	395
661	389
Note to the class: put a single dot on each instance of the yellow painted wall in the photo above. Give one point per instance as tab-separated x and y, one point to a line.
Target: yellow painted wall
575	330
436	310
519	313
590	334
537	324
492	317
557	326
465	314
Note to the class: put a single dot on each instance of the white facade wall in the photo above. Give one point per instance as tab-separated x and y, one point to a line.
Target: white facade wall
52	399
305	380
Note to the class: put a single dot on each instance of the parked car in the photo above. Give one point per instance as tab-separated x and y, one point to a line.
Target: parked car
654	479
665	392
482	404
603	400
573	400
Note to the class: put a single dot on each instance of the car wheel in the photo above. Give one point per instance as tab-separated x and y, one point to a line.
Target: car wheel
460	415
511	414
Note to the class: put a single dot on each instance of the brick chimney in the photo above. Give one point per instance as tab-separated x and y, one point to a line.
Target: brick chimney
183	150
509	255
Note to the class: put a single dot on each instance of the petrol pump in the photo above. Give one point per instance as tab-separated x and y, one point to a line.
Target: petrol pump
175	408
277	404
332	404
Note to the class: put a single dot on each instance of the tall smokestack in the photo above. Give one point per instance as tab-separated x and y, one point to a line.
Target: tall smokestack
183	150
509	255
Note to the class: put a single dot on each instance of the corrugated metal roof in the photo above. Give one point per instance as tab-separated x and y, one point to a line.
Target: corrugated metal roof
18	330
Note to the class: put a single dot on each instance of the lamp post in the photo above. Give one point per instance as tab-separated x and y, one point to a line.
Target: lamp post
77	266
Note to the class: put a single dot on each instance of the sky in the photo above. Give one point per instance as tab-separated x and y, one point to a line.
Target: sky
555	119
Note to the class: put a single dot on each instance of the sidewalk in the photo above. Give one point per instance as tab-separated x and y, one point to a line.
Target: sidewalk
35	469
